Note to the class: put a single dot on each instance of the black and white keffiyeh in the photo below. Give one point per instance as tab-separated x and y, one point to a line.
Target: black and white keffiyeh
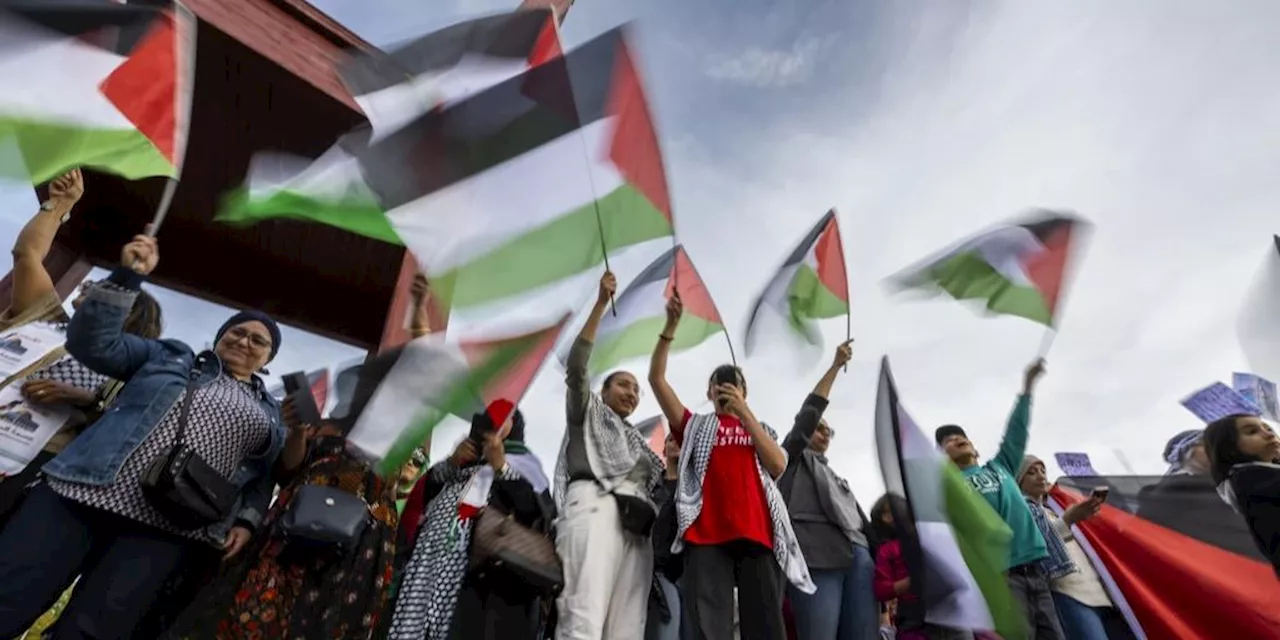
699	439
613	447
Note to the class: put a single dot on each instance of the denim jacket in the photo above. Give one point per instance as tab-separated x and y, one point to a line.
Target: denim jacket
157	372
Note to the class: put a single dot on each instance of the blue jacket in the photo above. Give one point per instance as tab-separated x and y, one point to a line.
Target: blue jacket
157	371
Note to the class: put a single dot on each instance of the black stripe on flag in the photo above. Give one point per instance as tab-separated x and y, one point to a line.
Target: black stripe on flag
1045	223
646	427
110	25
509	35
446	146
657	271
1277	239
812	237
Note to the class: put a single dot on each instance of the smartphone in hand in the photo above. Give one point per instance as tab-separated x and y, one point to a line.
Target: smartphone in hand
1100	494
298	387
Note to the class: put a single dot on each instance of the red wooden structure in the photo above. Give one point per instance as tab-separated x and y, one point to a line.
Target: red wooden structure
265	80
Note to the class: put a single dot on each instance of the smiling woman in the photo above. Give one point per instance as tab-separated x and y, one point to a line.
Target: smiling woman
202	422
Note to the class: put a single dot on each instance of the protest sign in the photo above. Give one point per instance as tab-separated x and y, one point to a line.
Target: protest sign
1259	391
25	429
1218	401
1075	464
20	347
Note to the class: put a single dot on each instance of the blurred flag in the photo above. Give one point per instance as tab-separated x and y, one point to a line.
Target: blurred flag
401	395
1182	565
1016	270
655	432
392	89
1257	330
956	545
522	185
811	285
561	7
93	84
642	313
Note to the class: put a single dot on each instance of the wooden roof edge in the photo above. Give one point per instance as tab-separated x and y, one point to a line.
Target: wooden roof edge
323	24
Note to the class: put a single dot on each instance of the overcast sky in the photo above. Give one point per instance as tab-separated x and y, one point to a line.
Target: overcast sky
923	122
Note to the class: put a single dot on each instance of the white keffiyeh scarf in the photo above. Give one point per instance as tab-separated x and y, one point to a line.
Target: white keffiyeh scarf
699	439
613	447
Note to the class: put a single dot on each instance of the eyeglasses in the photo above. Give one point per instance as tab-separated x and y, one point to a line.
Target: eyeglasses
257	340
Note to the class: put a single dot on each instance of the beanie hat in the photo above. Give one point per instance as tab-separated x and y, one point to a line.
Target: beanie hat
1027	461
253	316
946	431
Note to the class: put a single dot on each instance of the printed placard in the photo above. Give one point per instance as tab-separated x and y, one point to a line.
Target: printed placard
1259	391
22	346
25	428
1219	401
1075	464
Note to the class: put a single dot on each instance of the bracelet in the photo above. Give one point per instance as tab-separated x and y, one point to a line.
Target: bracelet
663	336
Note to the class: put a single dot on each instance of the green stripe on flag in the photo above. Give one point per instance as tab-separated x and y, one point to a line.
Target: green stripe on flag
809	299
566	246
968	276
983	539
459	400
359	216
50	150
640	337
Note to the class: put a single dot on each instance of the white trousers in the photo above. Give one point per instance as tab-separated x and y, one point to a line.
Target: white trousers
607	571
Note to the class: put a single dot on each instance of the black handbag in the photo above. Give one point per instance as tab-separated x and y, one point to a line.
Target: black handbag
325	516
184	488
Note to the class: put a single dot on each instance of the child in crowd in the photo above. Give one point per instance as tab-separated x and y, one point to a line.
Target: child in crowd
893	582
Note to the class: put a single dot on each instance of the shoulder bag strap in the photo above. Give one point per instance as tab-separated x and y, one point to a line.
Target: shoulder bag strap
184	414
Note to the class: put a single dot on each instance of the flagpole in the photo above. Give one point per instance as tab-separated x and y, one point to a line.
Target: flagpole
1047	341
732	358
595	200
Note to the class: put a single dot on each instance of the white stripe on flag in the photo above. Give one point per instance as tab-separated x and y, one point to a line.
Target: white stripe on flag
466	220
649	301
52	78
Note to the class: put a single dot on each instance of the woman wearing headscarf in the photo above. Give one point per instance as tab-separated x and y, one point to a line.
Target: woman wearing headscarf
57	380
1084	608
92	514
439	596
281	587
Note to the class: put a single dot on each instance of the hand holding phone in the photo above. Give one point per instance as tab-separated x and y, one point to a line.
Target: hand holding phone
297	388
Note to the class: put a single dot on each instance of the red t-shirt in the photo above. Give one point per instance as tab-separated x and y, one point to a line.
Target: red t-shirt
733	502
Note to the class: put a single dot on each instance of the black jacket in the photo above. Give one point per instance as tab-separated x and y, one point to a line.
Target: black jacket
1257	489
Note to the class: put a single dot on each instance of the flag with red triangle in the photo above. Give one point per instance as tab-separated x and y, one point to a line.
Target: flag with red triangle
811	285
1015	269
99	85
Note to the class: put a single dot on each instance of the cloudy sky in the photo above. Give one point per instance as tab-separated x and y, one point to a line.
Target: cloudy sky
923	122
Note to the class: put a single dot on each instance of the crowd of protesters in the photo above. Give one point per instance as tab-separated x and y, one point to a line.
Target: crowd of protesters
184	501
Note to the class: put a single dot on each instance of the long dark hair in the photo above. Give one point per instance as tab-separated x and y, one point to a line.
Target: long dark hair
1221	444
887	502
144	317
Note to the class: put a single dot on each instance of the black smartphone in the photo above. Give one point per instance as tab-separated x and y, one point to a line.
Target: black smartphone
1101	493
298	387
725	376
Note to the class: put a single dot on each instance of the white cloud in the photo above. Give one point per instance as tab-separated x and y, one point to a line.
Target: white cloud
765	68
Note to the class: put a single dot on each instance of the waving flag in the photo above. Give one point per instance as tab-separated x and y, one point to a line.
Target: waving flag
118	101
393	89
655	432
642	312
402	395
955	544
1180	564
1016	270
525	184
1257	330
812	284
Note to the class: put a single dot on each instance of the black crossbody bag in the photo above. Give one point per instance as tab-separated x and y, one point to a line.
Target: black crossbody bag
188	492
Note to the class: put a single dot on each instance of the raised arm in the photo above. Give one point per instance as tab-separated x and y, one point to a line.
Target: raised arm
419	318
577	379
96	335
672	409
1014	445
31	282
815	404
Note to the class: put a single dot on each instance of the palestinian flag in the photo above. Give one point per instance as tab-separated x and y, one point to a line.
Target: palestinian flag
1017	270
811	285
319	380
956	545
642	312
403	394
95	84
392	89
523	185
1178	562
655	432
1256	328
